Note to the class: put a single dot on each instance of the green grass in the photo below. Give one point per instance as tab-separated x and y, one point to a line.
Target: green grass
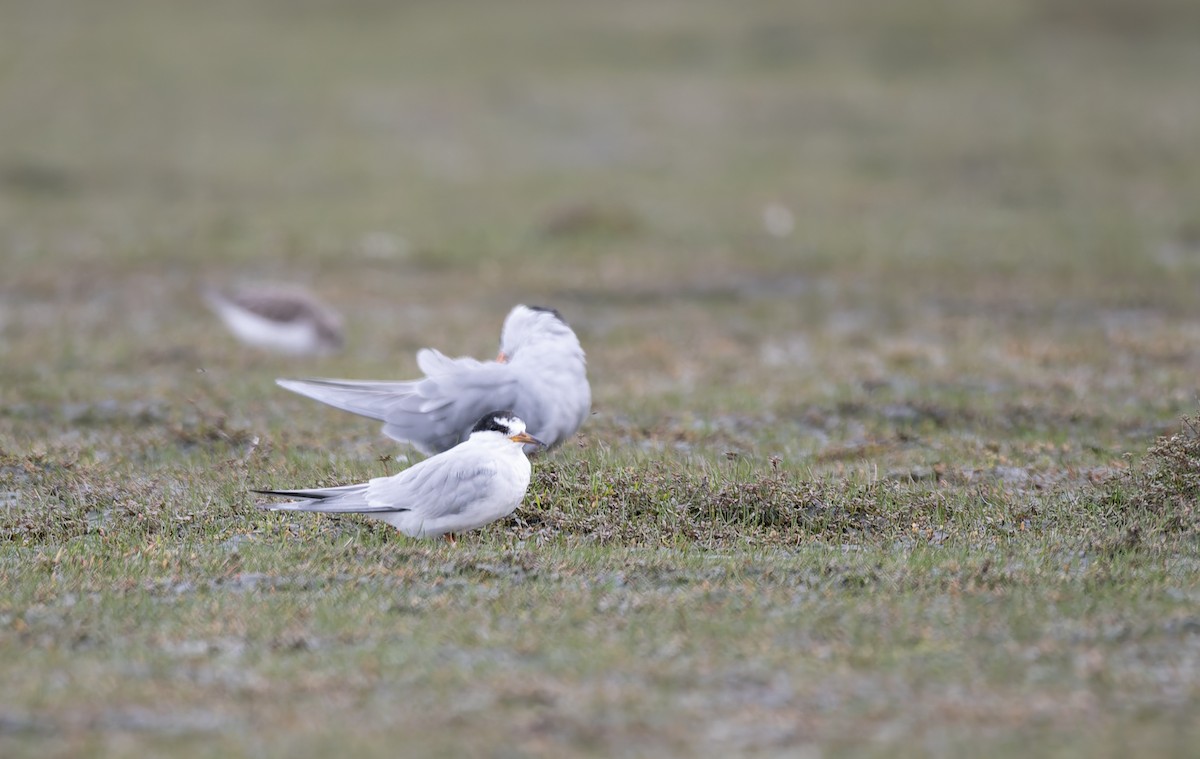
918	478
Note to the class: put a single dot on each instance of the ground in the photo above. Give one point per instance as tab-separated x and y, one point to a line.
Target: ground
893	331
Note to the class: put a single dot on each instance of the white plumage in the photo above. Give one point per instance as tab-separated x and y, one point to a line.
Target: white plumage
473	484
541	374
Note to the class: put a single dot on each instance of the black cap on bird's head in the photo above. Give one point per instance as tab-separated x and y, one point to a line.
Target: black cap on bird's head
547	310
508	424
499	421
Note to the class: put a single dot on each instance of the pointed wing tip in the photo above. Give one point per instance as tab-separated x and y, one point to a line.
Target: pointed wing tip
277	506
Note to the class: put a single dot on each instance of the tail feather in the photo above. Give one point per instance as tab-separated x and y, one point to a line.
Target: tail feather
315	494
347	499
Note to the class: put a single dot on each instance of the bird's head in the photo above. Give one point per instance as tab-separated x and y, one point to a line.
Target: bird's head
507	424
529	326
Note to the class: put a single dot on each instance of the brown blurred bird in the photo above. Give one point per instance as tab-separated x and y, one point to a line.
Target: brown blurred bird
280	318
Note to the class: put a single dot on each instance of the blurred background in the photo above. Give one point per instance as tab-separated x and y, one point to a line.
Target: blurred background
743	203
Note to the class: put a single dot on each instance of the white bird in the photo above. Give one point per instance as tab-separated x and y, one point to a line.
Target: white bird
278	318
473	484
541	374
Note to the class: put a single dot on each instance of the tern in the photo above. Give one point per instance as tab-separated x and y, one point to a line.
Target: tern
540	373
478	481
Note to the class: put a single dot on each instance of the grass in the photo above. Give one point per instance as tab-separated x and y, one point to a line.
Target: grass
917	478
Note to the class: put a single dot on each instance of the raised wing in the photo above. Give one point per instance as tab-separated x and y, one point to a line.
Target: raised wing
364	397
433	362
435	413
441	409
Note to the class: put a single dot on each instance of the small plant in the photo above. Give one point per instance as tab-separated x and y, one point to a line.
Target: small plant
1167	484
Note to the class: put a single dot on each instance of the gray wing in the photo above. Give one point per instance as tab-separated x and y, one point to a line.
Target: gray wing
445	405
364	397
435	413
446	484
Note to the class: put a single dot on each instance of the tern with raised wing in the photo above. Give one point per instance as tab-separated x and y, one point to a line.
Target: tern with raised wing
540	373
